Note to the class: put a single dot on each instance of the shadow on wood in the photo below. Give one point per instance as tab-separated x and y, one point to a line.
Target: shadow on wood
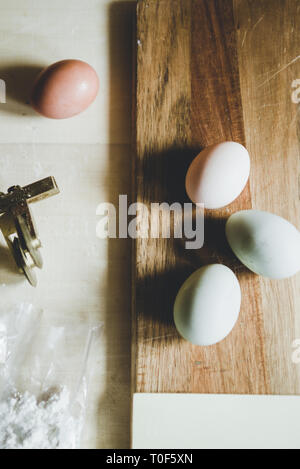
164	174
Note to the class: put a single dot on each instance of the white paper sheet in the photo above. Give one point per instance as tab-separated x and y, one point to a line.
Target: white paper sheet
191	421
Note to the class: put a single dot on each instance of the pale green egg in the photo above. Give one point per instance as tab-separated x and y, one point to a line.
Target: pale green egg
266	243
207	305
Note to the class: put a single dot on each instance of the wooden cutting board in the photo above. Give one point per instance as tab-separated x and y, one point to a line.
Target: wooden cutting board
209	71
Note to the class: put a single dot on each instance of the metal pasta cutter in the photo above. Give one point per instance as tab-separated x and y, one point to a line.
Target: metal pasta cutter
17	224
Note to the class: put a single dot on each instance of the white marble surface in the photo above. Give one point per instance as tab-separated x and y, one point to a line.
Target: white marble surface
84	279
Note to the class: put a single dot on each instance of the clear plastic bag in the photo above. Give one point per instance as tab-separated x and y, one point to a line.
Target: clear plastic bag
44	374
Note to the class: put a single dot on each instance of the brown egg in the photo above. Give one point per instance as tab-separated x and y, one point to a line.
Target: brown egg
65	89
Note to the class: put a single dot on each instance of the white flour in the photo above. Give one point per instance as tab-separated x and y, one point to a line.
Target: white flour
26	423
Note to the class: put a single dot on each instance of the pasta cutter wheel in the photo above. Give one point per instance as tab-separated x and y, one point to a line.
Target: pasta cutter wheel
17	224
24	262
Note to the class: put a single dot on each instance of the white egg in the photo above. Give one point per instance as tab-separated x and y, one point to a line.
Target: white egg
207	305
266	243
218	175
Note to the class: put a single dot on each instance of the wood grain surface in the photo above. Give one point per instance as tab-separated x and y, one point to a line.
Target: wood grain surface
268	48
209	71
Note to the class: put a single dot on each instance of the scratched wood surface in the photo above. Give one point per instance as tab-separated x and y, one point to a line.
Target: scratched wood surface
207	72
268	47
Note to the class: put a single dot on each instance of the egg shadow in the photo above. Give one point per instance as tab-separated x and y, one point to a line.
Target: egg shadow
156	293
19	81
164	174
215	248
